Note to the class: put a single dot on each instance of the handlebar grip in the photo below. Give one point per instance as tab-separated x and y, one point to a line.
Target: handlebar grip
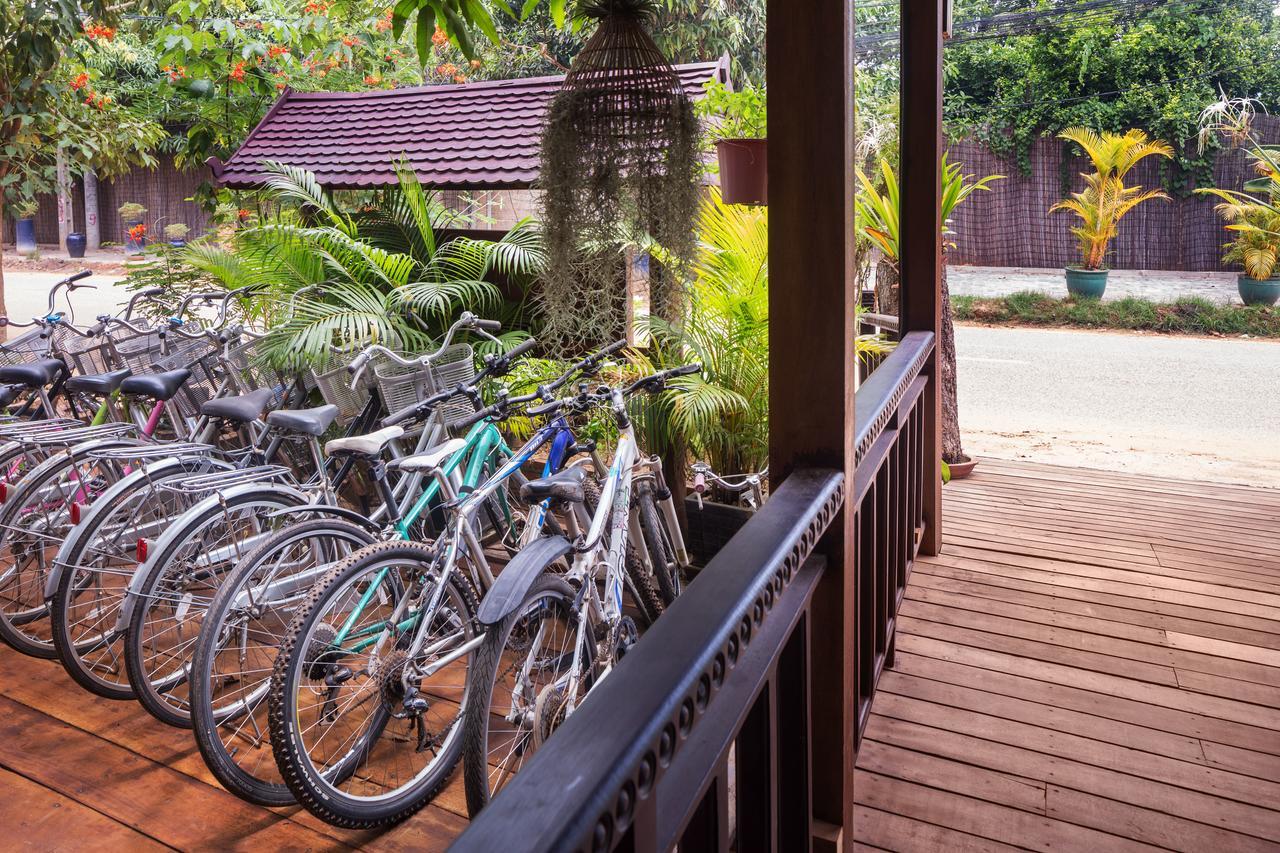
489	325
544	409
79	275
150	292
98	328
408	412
613	347
684	370
522	348
358	363
472	420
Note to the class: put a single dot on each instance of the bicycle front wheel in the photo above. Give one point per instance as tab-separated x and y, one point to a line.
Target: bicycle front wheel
520	687
363	733
236	650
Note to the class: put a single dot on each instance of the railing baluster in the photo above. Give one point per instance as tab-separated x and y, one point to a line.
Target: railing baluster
756	775
792	739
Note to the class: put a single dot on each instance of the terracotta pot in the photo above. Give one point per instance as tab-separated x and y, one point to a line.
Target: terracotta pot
744	170
960	470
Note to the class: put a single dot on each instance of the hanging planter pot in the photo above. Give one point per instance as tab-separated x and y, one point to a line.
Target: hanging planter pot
744	170
620	159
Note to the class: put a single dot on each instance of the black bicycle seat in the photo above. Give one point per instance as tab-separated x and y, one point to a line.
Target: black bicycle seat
307	421
33	374
566	485
99	384
158	386
241	408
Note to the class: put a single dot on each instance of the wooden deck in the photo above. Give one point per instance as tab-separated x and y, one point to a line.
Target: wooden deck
1093	663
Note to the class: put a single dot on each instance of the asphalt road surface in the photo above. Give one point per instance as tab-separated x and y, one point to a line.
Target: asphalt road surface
1200	408
26	294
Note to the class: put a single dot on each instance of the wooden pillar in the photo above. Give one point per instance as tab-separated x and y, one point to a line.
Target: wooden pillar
92	227
811	331
920	242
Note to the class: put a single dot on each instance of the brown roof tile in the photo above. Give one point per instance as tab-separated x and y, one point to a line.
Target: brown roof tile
469	135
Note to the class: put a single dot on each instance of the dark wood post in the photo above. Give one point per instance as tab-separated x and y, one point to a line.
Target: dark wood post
811	359
920	243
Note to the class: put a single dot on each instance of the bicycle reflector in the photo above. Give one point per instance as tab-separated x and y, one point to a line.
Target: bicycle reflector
141	550
75	512
4	492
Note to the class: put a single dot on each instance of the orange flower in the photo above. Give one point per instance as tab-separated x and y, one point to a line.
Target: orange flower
439	37
276	50
137	232
447	69
372	79
350	41
81	80
98	31
237	73
243	214
280	87
477	64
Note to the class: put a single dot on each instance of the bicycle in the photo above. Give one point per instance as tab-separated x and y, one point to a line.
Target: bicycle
747	488
386	636
554	631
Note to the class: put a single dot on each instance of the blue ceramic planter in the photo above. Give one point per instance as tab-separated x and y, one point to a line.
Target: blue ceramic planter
75	244
1087	283
25	231
1254	292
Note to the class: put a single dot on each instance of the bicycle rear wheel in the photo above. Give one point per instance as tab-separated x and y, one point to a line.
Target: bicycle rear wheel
95	565
236	650
364	735
176	586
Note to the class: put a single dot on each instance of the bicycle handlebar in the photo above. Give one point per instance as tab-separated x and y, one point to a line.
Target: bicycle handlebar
70	283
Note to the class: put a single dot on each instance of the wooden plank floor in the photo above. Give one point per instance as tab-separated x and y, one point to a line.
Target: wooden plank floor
1092	663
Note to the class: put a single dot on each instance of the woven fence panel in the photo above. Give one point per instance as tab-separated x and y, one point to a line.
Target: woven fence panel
1010	226
162	191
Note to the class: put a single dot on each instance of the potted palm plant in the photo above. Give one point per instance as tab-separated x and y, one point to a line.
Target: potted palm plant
739	122
1105	199
25	226
1254	220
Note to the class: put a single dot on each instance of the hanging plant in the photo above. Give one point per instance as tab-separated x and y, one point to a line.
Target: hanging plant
620	161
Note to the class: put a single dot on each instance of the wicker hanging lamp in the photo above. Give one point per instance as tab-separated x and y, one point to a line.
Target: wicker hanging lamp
620	159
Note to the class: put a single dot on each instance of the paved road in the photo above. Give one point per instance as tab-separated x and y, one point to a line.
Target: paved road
1205	408
26	294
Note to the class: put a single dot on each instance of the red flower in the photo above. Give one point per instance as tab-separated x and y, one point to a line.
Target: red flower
372	79
237	73
98	31
243	213
137	232
277	50
350	41
81	80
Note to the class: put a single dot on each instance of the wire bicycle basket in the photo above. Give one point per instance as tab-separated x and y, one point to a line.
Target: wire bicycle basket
403	386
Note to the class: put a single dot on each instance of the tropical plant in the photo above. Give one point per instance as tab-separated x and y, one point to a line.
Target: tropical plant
176	231
1105	199
741	114
382	274
26	209
131	211
722	414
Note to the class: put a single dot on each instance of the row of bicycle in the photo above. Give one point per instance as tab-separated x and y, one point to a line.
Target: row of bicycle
328	616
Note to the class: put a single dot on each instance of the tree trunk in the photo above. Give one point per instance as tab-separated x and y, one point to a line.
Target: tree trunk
92	226
952	451
887	281
66	213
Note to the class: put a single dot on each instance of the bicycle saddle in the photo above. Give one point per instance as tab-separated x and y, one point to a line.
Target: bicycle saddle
432	459
241	407
308	421
100	384
566	485
370	444
34	374
158	386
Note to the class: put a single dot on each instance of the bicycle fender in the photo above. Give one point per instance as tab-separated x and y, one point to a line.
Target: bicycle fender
515	581
104	502
324	509
138	581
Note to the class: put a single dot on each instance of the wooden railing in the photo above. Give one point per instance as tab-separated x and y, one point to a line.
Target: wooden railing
874	324
887	502
701	736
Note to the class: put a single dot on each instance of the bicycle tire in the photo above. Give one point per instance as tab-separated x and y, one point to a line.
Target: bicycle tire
310	785
550	590
74	557
661	556
24	614
647	598
251	774
166	698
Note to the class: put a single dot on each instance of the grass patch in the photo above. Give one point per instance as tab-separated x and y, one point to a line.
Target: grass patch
1189	316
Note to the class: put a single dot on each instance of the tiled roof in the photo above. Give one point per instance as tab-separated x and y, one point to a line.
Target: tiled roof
469	135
